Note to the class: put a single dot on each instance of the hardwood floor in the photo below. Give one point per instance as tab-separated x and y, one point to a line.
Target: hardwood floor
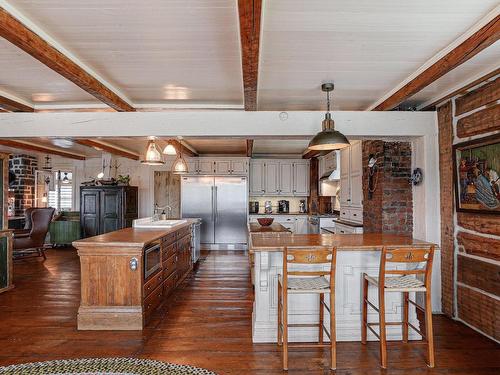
207	323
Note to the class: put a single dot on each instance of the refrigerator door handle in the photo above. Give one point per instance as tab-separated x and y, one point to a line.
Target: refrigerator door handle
215	204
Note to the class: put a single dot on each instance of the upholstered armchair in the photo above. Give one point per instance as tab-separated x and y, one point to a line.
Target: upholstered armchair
32	243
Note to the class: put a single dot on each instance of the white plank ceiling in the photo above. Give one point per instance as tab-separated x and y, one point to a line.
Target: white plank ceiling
159	51
366	47
187	52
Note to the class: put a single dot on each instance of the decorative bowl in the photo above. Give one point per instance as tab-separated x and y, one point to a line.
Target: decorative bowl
265	221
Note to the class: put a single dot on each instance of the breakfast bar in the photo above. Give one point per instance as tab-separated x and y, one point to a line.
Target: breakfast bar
357	254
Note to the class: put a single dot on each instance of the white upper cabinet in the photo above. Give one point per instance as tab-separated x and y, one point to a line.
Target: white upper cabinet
301	178
271	173
218	166
257	178
287	177
239	166
351	179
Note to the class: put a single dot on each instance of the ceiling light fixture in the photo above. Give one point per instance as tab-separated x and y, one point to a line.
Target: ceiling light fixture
180	165
328	138
153	155
169	149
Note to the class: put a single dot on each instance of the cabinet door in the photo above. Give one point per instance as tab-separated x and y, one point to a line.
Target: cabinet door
356	190
301	225
356	156
301	179
192	165
239	167
111	206
222	167
271	174
206	166
286	178
345	156
131	209
89	213
345	191
257	178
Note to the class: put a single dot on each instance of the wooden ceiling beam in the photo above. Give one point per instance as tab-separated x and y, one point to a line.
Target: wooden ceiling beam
28	146
185	150
107	147
249	147
308	154
10	105
24	38
481	39
250	15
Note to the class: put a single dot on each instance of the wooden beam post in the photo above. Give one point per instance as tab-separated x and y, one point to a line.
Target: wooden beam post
249	147
10	105
30	42
477	42
39	148
250	16
105	146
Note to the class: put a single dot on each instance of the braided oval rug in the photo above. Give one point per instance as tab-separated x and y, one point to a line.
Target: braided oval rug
103	366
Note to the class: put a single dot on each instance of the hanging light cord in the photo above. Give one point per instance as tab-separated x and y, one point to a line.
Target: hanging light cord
328	101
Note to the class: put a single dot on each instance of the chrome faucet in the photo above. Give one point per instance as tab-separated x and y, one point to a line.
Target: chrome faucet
157	208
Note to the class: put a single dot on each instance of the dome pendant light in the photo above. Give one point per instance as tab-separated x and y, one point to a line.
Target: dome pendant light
328	138
180	165
153	155
169	149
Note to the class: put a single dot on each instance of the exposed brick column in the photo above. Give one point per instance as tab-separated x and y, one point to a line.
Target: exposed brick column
445	127
24	167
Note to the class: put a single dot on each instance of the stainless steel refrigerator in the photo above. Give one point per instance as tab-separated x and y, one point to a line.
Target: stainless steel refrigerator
222	205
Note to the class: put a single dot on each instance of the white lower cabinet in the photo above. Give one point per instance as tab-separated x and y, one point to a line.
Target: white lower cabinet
347	229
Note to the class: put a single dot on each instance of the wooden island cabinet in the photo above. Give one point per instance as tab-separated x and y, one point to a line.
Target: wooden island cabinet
117	291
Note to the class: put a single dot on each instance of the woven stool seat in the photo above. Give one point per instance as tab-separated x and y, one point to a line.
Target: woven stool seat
405	283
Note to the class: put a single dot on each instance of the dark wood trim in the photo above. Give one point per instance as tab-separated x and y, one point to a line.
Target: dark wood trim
9	105
477	42
311	154
249	147
462	90
483	95
38	148
483	121
185	150
30	42
108	148
250	15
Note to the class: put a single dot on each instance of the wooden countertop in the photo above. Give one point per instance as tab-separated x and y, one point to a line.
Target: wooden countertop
129	237
366	241
273	228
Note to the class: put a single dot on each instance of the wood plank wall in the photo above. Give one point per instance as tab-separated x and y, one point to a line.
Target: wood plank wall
470	239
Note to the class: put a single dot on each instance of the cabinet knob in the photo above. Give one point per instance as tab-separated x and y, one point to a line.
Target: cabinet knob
133	263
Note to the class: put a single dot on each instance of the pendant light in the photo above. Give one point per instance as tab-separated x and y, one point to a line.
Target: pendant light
153	155
180	165
328	138
169	149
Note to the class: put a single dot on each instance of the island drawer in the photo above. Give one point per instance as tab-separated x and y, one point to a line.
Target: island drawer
152	283
153	301
183	232
168	239
169	266
168	251
169	284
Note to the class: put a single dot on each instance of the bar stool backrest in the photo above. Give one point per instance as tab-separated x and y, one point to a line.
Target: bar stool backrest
314	255
422	256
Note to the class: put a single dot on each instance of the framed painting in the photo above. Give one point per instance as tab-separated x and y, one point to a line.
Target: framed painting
477	175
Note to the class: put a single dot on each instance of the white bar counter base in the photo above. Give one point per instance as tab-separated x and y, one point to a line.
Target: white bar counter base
304	308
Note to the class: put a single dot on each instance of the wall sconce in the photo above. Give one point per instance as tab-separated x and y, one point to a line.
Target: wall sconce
372	175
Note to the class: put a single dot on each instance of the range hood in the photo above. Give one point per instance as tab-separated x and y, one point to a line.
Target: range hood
331	175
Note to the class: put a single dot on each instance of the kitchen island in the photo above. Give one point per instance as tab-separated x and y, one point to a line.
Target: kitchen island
127	274
357	254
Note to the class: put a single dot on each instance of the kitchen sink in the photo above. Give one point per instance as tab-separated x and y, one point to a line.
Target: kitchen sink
148	222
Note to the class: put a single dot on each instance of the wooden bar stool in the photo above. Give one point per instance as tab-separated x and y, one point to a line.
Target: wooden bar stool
405	282
305	282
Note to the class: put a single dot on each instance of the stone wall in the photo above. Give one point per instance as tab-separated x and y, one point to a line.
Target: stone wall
24	167
389	209
470	242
